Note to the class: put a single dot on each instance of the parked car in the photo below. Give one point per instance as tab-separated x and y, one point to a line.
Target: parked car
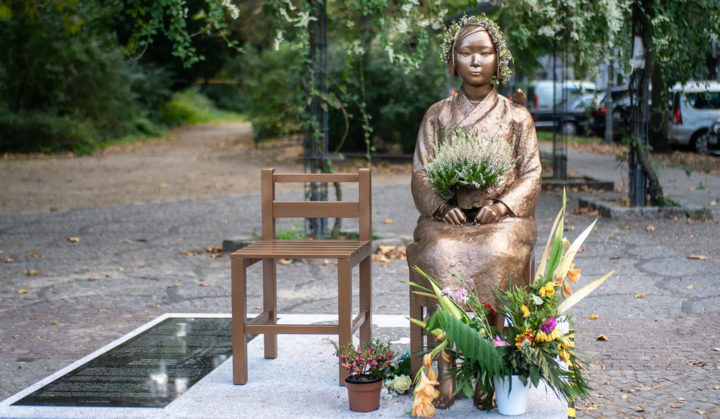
571	117
540	92
620	114
713	138
695	107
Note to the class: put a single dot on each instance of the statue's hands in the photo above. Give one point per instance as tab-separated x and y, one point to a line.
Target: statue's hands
454	216
491	213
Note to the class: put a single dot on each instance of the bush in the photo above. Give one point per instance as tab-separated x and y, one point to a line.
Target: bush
269	81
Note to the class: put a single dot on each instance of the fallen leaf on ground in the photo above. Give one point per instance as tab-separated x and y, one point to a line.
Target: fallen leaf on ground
716	387
178	284
601	337
650	228
22	291
162	185
700	412
387	252
639	409
675	405
624	396
31	272
640	295
73	239
54	323
716	349
7	260
214	249
626	228
126	241
284	261
31	255
690	287
698	362
191	252
218	255
94	278
223	221
593	316
389	221
698	257
204	284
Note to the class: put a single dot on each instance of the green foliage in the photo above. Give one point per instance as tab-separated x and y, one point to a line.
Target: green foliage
271	93
190	107
82	89
296	232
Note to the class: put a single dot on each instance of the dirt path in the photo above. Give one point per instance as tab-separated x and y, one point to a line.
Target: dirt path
193	162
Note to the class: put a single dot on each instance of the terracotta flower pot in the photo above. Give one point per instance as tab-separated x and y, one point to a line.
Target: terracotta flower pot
364	396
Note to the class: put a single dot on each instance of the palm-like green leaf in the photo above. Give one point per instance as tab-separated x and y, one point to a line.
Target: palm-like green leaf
474	346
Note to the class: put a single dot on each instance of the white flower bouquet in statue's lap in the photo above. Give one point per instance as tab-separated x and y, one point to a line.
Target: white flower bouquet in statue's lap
468	161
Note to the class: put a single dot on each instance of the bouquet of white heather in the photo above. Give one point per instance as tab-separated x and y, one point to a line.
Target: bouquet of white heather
467	159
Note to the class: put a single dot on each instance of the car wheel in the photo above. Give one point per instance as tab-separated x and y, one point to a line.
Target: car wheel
568	128
699	143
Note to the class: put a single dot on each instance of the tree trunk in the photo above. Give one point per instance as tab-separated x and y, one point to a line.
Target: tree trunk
646	34
658	115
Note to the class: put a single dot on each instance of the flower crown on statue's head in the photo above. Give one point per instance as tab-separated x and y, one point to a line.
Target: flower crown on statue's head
504	55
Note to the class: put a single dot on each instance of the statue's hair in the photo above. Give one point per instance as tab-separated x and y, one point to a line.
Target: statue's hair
452	37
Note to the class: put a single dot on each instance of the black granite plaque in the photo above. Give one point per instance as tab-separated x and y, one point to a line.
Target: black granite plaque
149	370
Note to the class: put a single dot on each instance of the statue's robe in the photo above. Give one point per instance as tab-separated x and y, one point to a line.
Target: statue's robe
488	254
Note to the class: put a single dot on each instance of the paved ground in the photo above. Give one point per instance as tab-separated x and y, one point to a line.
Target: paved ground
63	299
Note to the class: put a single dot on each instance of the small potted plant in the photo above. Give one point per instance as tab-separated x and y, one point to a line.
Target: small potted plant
365	366
467	163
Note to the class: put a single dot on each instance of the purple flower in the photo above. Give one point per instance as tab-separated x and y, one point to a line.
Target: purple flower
497	341
469	283
548	326
461	295
446	291
452	264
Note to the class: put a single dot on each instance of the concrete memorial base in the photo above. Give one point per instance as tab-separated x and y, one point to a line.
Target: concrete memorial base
300	383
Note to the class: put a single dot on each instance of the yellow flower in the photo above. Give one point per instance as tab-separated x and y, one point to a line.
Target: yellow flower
573	275
525	310
548	290
542	337
562	353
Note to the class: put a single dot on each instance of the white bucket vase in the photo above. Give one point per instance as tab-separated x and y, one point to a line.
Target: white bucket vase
511	400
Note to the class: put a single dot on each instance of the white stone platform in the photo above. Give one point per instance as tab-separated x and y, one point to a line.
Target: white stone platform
300	383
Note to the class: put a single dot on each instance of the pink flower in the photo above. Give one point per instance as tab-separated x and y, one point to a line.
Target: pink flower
446	291
452	264
498	341
461	295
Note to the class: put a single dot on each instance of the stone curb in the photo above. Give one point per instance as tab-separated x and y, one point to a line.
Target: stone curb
610	210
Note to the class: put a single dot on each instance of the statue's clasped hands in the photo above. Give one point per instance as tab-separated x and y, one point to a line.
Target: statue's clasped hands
488	214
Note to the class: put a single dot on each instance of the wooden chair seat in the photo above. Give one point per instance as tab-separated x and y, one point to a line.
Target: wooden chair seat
307	249
348	253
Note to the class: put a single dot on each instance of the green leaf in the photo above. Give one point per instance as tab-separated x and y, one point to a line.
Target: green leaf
474	346
537	300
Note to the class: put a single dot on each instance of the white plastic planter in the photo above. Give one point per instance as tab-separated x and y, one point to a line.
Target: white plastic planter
511	401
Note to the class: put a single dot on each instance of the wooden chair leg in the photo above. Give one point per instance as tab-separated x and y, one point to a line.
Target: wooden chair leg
344	308
366	299
239	319
270	303
416	335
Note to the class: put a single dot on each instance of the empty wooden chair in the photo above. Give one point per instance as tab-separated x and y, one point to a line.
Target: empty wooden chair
347	252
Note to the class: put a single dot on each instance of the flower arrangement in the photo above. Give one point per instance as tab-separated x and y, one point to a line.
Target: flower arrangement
366	363
467	159
533	341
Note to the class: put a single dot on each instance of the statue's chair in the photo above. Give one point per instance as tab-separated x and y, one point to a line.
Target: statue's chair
422	307
347	252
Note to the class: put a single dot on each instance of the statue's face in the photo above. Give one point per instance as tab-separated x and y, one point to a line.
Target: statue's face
476	59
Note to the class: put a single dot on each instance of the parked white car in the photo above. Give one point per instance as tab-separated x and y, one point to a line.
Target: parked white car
695	107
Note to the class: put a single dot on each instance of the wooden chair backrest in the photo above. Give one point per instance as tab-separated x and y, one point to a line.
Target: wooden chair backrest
272	209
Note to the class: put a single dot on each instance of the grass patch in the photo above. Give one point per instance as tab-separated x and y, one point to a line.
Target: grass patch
572	139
